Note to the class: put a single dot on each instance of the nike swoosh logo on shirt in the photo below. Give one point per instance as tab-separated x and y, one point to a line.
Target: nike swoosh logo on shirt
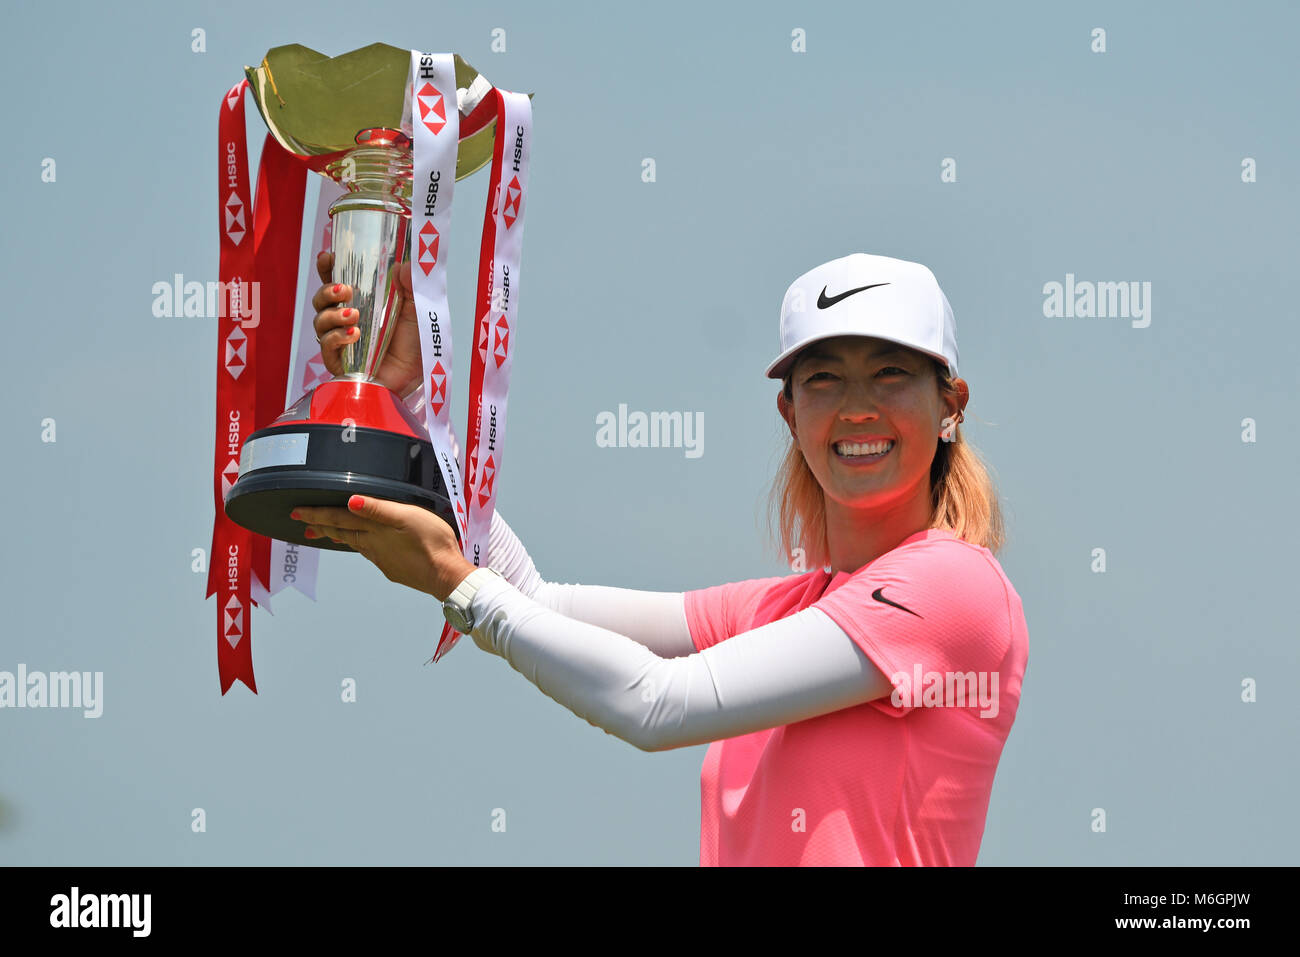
880	597
824	303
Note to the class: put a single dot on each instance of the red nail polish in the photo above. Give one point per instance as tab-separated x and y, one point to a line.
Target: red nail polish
337	287
310	533
293	514
356	501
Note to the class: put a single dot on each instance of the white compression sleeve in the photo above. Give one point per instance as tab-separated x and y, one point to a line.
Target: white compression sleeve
506	556
656	619
790	670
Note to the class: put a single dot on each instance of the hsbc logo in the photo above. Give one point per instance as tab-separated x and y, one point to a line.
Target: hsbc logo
236	352
437	388
228	477
489	477
514	192
235	228
233	95
501	332
431	194
435	334
510	212
427	256
433	112
489	465
483	338
315	373
453	488
502	344
231	472
290	564
519	149
233	628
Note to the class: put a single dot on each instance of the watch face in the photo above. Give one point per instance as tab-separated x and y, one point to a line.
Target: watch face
458	621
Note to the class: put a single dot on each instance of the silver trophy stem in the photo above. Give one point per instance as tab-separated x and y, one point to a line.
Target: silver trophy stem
371	236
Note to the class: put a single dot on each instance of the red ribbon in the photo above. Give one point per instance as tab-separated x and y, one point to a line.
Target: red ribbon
281	191
482	330
254	241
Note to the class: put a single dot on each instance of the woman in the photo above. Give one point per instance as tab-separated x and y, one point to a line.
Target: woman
855	713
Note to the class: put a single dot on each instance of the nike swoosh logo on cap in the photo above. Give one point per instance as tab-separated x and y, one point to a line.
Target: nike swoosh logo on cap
825	303
878	596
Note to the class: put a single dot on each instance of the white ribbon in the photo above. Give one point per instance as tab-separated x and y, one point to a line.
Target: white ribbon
430	116
295	565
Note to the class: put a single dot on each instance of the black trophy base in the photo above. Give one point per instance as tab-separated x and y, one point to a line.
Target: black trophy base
315	464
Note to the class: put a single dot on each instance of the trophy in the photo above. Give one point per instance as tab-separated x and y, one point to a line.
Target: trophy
351	435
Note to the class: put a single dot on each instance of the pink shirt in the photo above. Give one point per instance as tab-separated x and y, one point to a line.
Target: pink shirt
897	782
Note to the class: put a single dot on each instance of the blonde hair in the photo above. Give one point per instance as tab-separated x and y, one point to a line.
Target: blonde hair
962	494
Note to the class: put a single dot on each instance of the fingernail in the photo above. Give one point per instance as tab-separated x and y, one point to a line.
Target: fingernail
294	514
310	533
337	287
348	312
356	501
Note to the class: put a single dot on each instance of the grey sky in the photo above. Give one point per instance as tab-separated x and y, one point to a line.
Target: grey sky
1117	167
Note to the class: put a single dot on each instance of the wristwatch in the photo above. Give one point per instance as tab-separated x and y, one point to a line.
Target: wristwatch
456	608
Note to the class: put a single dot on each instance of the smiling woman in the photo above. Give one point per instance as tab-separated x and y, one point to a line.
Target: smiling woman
855	713
919	483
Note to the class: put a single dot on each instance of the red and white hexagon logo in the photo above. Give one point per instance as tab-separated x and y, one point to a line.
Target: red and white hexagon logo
432	112
438	388
427	256
228	476
236	355
489	476
315	373
483	338
234	627
502	344
235	218
460	520
513	194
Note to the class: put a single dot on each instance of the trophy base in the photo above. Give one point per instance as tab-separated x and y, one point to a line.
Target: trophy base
301	460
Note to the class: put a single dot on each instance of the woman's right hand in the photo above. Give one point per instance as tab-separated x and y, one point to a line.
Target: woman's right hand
335	326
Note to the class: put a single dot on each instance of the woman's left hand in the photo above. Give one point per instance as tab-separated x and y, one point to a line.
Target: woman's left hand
409	544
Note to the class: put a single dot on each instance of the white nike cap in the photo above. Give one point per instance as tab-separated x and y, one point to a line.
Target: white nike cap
863	295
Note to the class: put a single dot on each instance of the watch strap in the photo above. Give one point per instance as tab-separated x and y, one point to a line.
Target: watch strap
463	594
